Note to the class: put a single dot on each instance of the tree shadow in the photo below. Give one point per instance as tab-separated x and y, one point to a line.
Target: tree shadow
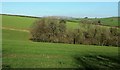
6	67
100	62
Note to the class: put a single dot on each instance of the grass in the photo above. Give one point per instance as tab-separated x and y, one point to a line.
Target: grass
110	21
72	25
25	22
17	22
20	52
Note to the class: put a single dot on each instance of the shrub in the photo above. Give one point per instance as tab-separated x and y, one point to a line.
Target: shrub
51	29
48	29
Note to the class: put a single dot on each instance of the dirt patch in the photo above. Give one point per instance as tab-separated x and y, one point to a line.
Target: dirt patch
8	28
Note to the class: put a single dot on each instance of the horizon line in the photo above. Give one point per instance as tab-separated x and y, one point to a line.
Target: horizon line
33	16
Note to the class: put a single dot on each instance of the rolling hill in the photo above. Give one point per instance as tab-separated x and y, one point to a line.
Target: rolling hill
19	52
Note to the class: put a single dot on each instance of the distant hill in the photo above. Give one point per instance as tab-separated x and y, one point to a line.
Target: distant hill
109	21
20	15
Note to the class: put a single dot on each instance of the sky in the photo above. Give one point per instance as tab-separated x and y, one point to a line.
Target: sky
60	0
69	9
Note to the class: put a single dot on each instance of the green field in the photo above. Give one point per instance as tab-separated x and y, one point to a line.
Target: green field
110	21
19	52
17	22
25	22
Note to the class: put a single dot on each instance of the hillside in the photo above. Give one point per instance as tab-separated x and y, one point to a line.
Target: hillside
24	22
17	21
20	52
109	21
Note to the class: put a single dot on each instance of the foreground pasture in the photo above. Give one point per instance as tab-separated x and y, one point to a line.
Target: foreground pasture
19	52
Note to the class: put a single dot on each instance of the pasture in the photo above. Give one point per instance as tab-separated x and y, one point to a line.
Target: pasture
19	52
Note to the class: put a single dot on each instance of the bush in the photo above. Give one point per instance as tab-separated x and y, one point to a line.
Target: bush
51	29
48	29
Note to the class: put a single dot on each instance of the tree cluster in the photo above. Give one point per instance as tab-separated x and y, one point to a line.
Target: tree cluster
51	29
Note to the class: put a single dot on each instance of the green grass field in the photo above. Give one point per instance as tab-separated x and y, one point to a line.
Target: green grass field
19	52
17	22
110	21
25	23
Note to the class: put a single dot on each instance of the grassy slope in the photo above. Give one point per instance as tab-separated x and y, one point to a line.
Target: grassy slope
17	22
19	52
110	21
24	22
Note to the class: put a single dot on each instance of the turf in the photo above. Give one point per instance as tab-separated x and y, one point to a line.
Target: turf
26	23
110	21
20	52
17	22
72	25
